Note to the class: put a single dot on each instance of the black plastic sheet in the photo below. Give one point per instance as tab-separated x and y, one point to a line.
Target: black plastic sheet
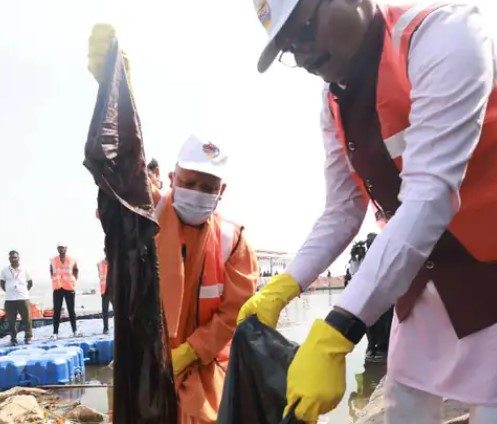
255	386
144	391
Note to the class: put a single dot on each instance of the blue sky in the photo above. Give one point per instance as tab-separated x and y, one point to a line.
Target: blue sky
193	71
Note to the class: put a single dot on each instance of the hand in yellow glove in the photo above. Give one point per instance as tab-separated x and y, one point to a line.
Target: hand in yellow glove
183	356
99	44
269	302
316	376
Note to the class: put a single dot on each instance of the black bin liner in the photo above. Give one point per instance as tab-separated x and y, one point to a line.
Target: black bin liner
255	387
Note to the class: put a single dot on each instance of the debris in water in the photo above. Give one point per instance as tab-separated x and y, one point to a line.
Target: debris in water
83	414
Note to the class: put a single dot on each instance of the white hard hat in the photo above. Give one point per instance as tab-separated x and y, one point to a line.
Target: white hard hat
272	14
202	156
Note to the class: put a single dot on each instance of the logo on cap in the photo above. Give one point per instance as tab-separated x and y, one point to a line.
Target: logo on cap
263	12
210	150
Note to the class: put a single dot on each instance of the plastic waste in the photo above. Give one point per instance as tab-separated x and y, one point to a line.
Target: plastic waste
144	391
255	386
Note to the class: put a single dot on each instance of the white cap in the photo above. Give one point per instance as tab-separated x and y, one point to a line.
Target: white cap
60	244
202	156
272	14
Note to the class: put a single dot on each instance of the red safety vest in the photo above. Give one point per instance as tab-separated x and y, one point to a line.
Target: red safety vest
102	267
62	273
474	224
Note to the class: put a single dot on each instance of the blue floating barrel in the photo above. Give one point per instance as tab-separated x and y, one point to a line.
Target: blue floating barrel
27	351
76	353
52	370
88	347
4	351
104	351
12	371
48	345
71	361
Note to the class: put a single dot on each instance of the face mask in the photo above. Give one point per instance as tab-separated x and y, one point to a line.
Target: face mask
194	207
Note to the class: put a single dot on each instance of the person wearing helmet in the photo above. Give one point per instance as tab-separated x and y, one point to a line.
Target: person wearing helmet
409	124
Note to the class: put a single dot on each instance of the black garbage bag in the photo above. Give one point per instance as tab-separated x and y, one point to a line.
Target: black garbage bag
144	391
255	386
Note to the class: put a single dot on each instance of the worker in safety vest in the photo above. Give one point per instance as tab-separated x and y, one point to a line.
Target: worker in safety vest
207	272
409	122
102	268
64	273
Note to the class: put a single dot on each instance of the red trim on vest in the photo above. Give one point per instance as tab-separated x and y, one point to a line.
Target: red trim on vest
405	40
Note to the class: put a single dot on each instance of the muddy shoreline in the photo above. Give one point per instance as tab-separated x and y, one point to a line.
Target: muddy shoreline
21	405
453	412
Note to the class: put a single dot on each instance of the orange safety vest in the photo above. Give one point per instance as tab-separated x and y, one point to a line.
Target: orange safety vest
211	284
62	274
474	223
102	267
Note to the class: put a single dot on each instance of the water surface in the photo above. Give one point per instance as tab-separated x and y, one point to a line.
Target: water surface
295	323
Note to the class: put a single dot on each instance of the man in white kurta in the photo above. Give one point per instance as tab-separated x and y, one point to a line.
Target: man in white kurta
451	70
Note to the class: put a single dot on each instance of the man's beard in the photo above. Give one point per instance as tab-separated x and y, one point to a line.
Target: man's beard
317	63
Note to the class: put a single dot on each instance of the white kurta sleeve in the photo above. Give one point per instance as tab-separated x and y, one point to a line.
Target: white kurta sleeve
344	211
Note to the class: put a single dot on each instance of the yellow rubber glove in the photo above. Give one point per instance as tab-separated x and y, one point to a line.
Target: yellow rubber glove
316	376
98	46
268	303
183	356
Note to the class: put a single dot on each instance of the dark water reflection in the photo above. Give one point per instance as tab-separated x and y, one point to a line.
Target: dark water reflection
295	323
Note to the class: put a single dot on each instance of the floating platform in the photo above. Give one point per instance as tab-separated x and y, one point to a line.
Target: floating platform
53	363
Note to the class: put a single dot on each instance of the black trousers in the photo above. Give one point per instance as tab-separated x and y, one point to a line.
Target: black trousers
379	333
58	298
105	310
23	308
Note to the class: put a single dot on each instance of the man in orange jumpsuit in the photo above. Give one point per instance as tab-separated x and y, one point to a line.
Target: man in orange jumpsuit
207	272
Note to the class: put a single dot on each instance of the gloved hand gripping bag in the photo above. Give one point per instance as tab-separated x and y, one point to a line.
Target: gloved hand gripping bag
255	386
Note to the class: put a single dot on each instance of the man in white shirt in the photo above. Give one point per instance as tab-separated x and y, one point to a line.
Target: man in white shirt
409	122
16	283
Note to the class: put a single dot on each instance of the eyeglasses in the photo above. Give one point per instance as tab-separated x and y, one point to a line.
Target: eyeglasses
305	36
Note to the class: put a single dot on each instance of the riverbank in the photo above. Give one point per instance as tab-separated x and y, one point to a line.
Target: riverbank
453	412
21	405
